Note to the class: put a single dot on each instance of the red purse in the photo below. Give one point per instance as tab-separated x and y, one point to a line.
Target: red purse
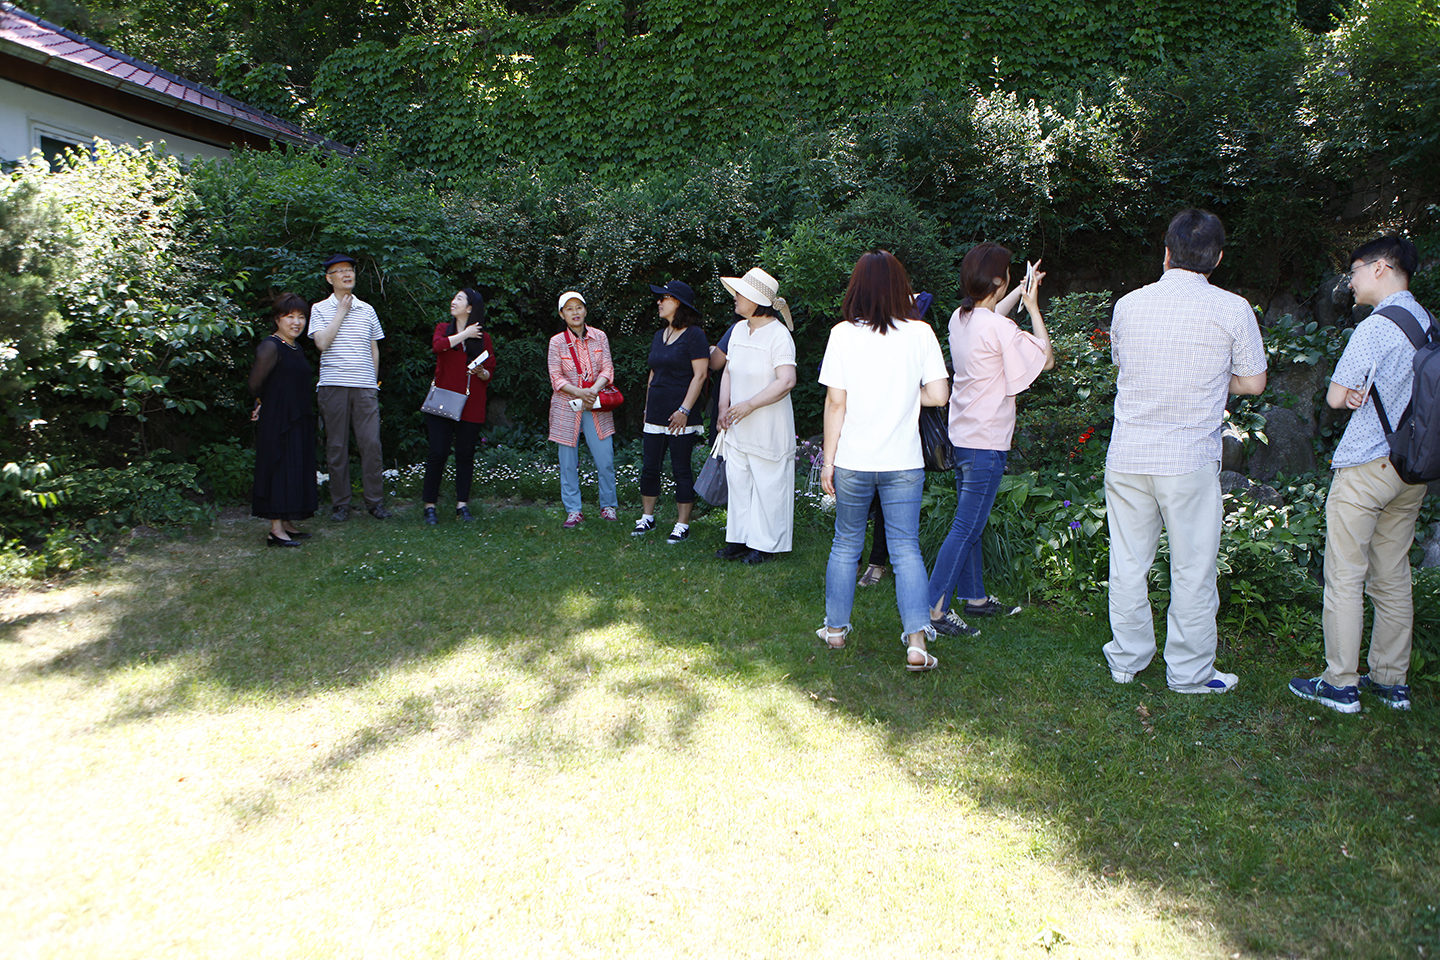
609	398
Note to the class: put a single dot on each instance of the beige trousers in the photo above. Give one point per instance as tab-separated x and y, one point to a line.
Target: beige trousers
1369	529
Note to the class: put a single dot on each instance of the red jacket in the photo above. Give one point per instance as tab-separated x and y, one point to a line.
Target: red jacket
450	363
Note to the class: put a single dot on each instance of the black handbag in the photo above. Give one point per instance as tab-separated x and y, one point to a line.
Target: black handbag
935	446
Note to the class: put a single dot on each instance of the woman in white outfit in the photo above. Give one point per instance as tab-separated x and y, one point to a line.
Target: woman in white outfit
759	421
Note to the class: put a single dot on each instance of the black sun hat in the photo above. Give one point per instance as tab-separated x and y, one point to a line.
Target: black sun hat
678	289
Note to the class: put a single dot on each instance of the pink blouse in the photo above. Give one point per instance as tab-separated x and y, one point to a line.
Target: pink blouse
593	349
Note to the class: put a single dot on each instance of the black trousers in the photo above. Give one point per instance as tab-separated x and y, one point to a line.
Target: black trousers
445	433
879	549
681	446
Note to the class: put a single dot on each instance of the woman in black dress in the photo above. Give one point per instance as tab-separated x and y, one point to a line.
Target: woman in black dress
679	364
284	387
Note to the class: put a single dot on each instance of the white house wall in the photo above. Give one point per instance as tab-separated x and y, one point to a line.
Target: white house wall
24	112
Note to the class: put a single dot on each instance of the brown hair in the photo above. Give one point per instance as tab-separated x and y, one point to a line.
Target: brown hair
879	293
979	270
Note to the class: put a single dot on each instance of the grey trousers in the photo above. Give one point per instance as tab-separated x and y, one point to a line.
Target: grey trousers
1188	508
345	409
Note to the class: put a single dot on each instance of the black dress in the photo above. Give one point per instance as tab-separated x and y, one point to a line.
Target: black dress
285	484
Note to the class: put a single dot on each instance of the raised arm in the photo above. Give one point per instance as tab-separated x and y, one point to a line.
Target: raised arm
325	336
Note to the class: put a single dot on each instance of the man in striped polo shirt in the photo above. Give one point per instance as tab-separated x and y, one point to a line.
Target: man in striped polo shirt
347	331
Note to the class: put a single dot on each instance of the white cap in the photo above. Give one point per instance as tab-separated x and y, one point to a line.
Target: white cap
567	296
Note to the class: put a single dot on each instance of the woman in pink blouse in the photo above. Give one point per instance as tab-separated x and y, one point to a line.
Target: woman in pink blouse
580	367
994	361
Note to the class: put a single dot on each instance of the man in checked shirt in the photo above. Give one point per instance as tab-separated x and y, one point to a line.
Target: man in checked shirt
1183	347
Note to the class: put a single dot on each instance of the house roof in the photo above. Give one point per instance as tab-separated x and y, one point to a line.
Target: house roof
37	53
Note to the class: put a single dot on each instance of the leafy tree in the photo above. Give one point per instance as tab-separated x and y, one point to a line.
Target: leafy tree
36	256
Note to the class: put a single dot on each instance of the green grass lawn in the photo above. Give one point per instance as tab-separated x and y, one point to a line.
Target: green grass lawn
506	739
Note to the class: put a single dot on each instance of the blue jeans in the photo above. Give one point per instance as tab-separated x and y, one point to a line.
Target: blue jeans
957	566
604	453
899	492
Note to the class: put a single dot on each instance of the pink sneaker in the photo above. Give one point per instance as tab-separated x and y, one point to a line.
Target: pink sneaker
573	520
608	513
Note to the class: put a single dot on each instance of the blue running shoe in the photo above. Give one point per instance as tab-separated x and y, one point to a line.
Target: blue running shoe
1339	699
1395	696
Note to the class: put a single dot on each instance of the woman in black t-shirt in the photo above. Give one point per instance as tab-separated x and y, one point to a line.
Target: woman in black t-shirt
679	364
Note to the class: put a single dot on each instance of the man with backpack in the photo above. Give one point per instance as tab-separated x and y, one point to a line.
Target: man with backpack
1371	508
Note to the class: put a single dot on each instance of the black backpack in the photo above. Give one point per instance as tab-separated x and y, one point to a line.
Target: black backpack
1415	441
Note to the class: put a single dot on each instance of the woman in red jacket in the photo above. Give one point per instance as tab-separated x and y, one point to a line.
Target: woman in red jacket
461	345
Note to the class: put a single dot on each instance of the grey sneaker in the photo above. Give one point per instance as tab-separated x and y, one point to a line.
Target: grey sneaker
951	625
992	607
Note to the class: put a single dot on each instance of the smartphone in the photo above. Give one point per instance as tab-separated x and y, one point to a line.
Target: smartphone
1365	387
1029	277
475	364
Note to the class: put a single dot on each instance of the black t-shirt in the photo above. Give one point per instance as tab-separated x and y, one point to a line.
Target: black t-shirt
671	365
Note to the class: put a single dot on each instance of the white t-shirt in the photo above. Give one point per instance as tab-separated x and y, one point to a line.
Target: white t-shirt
1380	341
348	362
881	375
752	362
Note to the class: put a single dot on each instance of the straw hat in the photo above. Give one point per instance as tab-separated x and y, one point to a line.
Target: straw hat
759	287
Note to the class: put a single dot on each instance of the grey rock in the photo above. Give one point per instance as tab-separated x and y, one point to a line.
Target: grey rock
1431	546
1266	494
1331	303
1242	486
1290	448
1306	384
1232	450
1231	481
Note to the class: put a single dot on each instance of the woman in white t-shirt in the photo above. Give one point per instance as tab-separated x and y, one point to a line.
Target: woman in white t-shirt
879	369
760	423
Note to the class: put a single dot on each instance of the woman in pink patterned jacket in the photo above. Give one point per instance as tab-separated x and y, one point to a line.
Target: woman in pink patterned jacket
580	367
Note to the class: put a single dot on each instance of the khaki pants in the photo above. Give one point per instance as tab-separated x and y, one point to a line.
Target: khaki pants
1188	508
344	409
1369	528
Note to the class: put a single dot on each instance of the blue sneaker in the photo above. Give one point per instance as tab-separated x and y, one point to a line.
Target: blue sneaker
1340	699
1395	696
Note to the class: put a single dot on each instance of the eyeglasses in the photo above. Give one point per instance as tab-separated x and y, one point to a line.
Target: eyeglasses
340	272
1350	276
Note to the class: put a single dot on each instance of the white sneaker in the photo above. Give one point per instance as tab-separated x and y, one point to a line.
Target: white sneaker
1220	683
1120	676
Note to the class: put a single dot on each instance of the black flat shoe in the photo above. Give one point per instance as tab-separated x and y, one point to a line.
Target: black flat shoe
758	556
274	541
298	534
732	551
430	516
463	513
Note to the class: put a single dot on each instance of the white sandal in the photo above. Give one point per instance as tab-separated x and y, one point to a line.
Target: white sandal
828	638
929	663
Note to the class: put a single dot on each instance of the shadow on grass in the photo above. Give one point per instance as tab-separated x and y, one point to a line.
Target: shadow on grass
1294	830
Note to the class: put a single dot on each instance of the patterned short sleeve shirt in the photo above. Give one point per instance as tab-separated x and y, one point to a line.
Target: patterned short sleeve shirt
1177	342
1377	342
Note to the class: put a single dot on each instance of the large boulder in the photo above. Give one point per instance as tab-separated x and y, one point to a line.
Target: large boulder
1301	386
1331	303
1290	446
